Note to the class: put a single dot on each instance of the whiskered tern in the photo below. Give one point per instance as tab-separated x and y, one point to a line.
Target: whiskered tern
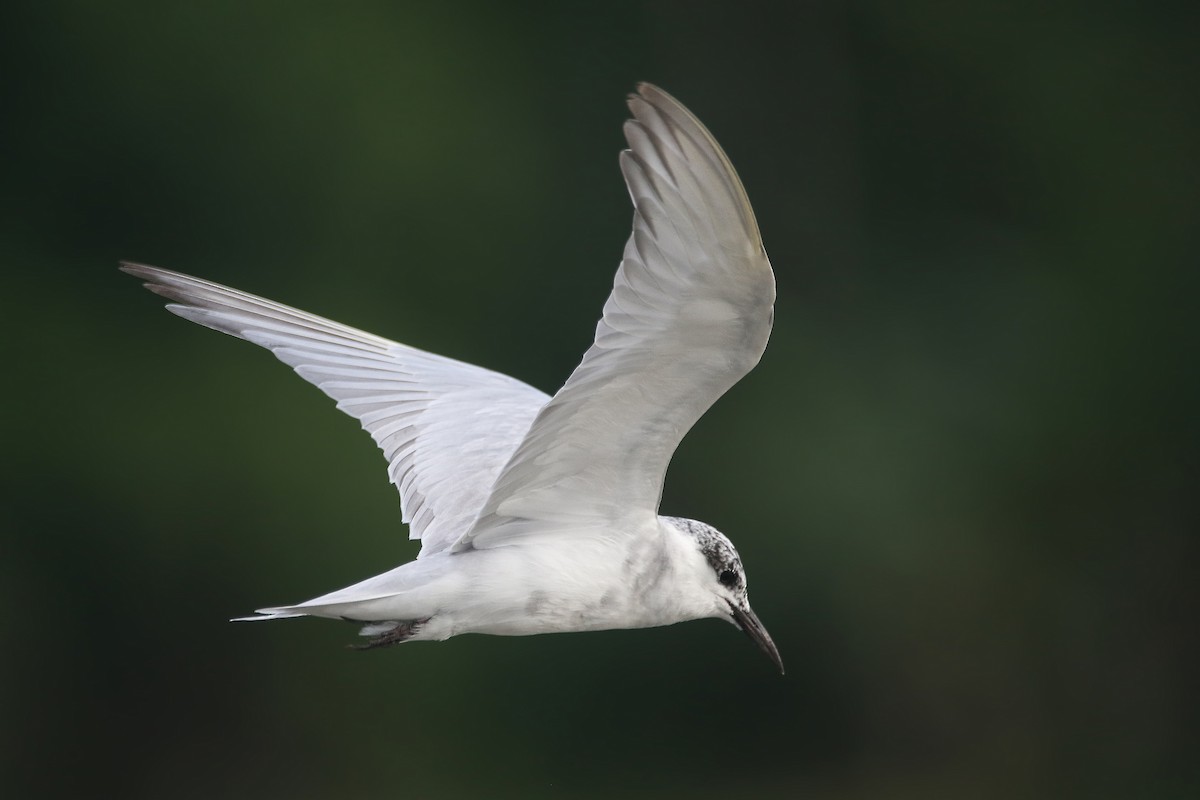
539	514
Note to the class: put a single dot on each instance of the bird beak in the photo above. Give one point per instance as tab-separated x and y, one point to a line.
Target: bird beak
747	620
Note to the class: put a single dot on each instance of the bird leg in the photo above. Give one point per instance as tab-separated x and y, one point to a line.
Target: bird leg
402	632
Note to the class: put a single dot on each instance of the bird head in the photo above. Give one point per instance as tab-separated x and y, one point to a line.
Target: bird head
725	578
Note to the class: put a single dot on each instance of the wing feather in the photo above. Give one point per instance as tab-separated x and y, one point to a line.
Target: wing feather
445	427
689	315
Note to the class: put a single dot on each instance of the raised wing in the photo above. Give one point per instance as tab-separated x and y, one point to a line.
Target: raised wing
689	315
445	427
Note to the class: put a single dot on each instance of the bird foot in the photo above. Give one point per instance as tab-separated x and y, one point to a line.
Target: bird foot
402	632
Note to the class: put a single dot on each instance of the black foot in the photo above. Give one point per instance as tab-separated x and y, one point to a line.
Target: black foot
396	635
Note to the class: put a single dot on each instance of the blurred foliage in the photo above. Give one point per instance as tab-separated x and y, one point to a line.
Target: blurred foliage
963	478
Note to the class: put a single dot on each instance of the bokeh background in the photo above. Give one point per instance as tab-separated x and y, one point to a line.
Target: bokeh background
963	478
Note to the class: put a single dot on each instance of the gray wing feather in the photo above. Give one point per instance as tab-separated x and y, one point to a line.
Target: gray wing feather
445	427
689	315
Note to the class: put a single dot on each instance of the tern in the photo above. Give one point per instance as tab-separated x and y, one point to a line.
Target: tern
539	514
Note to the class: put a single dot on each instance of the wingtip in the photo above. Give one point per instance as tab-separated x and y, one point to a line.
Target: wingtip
650	101
644	92
137	270
653	94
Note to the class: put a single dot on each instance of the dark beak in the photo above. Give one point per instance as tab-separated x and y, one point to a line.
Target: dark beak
747	620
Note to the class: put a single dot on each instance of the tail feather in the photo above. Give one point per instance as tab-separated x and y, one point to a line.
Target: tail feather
270	613
336	605
381	631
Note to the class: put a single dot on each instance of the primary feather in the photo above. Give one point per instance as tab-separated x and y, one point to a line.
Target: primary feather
689	315
445	427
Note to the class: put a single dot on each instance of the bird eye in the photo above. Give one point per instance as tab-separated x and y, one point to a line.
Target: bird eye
728	577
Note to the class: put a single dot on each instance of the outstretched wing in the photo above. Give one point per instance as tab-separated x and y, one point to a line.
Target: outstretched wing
689	315
445	427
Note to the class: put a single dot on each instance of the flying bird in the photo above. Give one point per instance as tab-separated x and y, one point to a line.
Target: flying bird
539	514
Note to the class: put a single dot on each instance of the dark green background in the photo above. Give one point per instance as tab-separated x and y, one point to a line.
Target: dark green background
963	478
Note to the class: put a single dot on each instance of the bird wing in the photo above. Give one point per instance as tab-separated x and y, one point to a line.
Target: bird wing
689	315
446	427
